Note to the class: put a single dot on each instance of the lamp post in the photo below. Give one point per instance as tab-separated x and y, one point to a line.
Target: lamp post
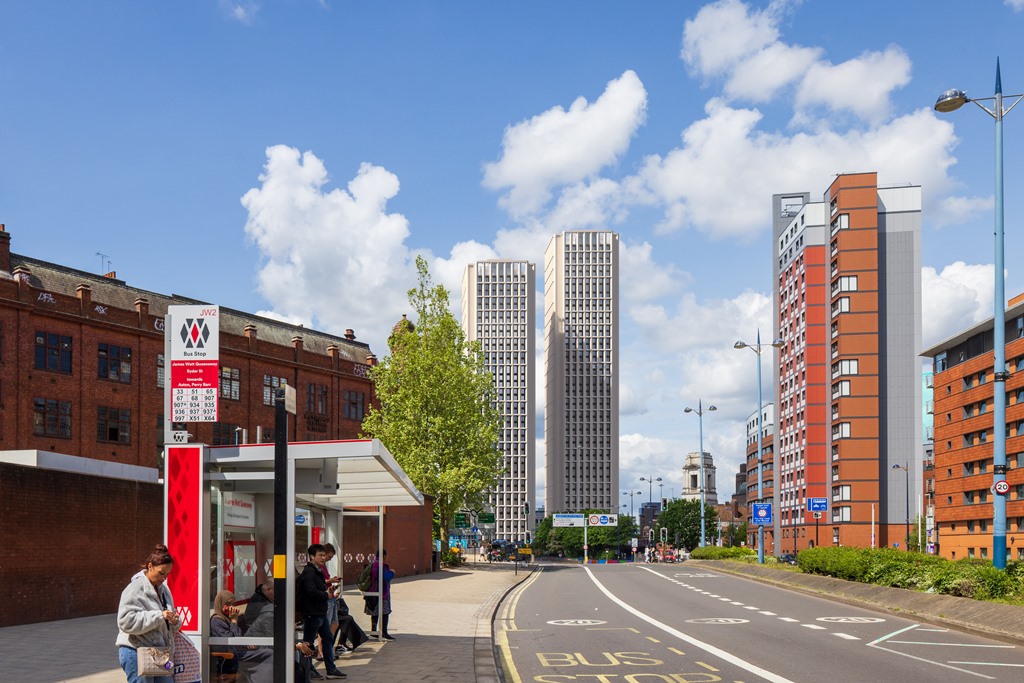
631	494
951	100
700	428
906	470
650	487
757	348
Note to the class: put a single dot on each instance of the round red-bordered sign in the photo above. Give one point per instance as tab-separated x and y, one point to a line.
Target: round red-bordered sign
1002	487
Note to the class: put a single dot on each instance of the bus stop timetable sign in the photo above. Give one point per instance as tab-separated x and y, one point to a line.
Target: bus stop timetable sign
194	373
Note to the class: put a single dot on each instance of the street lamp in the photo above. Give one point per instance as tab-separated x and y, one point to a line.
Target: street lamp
757	348
951	100
906	470
650	487
631	494
661	491
700	426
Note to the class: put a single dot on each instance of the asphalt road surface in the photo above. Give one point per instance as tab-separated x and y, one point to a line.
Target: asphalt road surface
647	623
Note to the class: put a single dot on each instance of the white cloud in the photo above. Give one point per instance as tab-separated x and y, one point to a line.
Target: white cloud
689	180
954	210
562	147
955	299
1016	5
724	33
334	258
242	11
763	74
861	86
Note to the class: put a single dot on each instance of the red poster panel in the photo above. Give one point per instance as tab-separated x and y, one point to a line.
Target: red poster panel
183	527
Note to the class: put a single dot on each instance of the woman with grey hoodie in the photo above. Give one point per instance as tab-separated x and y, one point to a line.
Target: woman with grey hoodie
146	616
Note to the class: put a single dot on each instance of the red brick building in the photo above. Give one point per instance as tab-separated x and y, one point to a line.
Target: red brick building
81	425
961	478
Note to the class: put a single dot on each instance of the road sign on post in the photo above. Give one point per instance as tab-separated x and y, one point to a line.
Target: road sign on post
817	504
762	514
568	520
194	336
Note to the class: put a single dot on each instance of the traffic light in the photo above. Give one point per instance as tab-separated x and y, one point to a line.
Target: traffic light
664	535
526	508
664	504
650	535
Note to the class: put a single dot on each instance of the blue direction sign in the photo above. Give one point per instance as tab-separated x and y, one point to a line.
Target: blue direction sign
817	504
762	513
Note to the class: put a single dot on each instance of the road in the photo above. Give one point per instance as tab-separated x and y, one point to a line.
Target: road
648	623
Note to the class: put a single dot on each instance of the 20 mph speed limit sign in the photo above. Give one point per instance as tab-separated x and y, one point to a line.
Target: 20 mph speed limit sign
1001	487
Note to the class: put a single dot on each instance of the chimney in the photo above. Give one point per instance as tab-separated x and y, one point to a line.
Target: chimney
142	306
84	293
297	345
250	333
371	360
23	275
332	351
5	249
112	275
350	335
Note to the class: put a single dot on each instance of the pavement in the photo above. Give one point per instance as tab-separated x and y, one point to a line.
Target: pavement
441	623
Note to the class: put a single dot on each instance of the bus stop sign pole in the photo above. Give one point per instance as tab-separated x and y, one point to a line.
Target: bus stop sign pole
284	399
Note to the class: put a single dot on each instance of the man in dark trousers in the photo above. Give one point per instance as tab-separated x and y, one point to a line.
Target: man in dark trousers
311	599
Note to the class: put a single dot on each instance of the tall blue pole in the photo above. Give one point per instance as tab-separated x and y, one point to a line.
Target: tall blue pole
760	468
700	428
999	351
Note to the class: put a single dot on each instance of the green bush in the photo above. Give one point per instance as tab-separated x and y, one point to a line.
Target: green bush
713	552
850	564
450	558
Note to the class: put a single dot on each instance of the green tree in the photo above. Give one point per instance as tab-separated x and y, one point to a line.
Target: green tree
682	518
602	541
437	412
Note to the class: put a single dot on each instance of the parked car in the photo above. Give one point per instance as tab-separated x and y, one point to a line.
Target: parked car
787	558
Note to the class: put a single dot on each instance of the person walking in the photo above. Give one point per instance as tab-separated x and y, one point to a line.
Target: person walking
379	606
146	616
311	601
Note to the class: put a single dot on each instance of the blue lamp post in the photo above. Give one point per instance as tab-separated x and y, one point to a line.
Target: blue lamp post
756	348
951	100
700	426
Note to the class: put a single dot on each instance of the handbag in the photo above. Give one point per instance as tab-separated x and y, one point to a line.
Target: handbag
155	661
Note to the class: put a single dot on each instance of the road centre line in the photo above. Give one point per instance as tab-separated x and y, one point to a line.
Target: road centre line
814	627
845	636
767	613
707	647
989	664
790	620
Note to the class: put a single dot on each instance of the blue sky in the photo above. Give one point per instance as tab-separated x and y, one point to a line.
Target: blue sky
293	156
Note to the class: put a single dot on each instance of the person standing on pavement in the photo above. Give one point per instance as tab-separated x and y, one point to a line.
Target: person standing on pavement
146	616
332	598
311	598
379	605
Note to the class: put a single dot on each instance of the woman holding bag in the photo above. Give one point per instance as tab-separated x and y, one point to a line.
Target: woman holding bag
147	621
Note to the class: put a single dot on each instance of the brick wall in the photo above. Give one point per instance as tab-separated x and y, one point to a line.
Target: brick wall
408	532
69	543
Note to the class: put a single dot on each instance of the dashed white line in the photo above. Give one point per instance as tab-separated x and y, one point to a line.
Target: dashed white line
740	604
767	613
751	607
814	627
845	636
789	619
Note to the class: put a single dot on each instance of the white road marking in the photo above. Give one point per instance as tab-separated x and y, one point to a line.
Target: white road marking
767	613
750	607
711	649
814	627
740	604
724	599
917	642
875	644
789	619
1019	666
845	636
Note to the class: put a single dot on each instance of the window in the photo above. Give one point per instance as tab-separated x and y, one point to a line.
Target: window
225	433
270	383
840	305
841	388
113	424
841	430
316	399
115	363
354	405
160	370
844	367
230	383
53	352
52	418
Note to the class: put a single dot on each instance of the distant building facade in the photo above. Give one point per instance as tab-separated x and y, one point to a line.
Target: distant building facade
767	468
498	311
847	303
581	359
691	479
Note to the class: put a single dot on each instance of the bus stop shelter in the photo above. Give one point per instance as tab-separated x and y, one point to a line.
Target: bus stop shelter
219	519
